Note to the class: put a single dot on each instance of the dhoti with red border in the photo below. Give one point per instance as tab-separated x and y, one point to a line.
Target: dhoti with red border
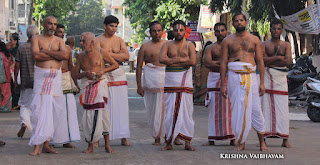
219	123
118	104
178	104
275	104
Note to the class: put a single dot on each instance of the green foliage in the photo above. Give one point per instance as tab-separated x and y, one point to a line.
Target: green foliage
141	13
87	18
57	8
260	11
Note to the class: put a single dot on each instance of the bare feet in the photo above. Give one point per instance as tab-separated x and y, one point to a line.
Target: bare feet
90	148
109	149
209	143
68	145
241	147
96	144
285	143
157	142
125	142
263	147
167	147
177	142
22	130
2	143
36	151
189	147
47	149
232	143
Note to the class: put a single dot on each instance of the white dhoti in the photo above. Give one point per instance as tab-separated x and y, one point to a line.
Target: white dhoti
95	120
219	123
153	84
25	102
275	104
178	104
243	91
47	117
71	109
118	104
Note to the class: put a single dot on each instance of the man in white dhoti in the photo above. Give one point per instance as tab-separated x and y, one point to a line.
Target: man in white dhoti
95	120
24	65
219	123
178	55
243	49
275	106
69	87
153	80
118	89
48	51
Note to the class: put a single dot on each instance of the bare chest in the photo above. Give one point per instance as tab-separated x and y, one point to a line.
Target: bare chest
45	44
111	45
242	46
91	63
178	51
275	50
216	53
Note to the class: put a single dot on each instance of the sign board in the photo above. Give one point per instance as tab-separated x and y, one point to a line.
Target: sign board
305	21
206	19
23	33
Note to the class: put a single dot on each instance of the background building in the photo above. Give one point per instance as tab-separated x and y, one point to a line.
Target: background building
114	7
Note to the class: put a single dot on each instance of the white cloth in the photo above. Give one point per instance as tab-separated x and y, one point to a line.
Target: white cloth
275	104
219	123
47	108
95	119
243	92
153	84
25	102
178	105
118	104
132	56
72	118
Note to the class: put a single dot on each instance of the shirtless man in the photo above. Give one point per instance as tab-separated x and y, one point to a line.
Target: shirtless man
178	55
73	133
219	111
118	89
153	80
275	106
91	61
48	51
242	49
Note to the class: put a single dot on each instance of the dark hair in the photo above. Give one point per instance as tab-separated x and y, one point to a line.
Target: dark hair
111	19
4	49
170	35
155	23
220	24
276	22
234	16
205	46
60	26
15	36
179	22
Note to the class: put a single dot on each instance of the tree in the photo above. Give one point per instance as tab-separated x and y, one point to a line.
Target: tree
57	8
87	18
141	13
261	12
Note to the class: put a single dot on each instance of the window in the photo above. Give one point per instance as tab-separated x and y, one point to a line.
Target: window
21	11
116	11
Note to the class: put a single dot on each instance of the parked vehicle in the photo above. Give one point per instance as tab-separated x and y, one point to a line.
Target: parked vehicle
298	75
313	101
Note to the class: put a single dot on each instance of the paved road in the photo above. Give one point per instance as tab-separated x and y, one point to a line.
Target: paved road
304	136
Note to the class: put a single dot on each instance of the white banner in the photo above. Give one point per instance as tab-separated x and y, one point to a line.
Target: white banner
305	21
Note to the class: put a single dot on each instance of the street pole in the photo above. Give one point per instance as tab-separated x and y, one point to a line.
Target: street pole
123	10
